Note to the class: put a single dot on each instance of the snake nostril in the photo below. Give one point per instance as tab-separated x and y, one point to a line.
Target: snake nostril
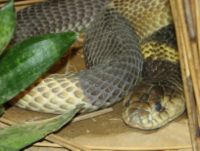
144	98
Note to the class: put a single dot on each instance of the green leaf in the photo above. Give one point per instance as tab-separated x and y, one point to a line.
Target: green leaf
17	137
1	110
27	61
7	24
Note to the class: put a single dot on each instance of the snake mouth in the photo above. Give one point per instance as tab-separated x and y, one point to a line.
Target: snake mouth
142	116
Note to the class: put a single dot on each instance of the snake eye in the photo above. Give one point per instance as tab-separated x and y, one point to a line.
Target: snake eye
159	107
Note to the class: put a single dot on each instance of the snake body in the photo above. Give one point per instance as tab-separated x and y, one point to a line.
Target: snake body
115	31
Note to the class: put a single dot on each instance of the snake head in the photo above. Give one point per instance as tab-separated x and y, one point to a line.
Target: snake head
152	106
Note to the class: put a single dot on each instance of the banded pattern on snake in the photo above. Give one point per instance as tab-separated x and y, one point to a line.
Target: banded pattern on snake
130	49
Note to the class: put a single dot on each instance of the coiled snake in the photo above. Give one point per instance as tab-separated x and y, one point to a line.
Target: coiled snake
130	49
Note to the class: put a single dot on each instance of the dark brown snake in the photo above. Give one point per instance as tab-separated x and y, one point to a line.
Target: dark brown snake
130	49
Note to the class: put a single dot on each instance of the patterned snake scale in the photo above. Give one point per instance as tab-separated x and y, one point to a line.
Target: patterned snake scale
130	49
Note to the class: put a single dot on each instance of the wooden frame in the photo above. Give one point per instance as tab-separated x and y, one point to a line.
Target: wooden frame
186	14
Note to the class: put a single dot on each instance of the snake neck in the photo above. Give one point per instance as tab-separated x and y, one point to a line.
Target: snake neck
161	64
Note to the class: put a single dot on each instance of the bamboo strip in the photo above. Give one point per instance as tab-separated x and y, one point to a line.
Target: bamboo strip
47	144
197	68
190	19
196	5
190	100
188	51
195	51
66	143
92	114
189	64
23	2
3	1
190	87
172	148
185	71
183	61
